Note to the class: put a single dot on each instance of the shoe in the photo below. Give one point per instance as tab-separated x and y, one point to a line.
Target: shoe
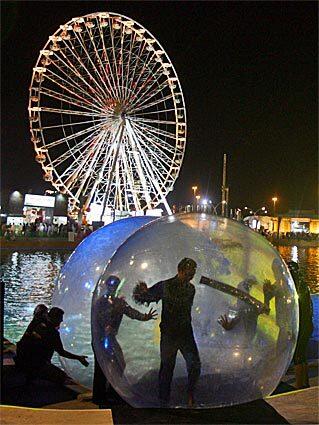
191	401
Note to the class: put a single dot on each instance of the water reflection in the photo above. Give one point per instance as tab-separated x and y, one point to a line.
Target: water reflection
308	258
29	280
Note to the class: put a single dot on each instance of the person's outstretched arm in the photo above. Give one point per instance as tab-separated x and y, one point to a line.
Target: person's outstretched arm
62	352
137	315
144	295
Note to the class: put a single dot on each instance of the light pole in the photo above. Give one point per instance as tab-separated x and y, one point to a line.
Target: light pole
197	201
194	189
274	199
263	209
216	206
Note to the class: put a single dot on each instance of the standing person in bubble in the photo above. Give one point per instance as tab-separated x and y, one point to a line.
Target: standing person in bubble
111	308
245	313
177	295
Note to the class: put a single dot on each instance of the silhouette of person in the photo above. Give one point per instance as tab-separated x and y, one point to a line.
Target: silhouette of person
110	311
245	313
278	291
177	295
35	349
305	326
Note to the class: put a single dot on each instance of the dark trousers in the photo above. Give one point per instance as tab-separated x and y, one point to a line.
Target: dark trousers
170	344
46	371
100	384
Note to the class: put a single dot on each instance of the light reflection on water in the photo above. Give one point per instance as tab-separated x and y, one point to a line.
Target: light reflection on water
29	280
308	259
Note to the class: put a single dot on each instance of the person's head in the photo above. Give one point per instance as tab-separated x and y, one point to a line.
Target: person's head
186	269
293	267
247	284
277	268
55	316
40	310
111	284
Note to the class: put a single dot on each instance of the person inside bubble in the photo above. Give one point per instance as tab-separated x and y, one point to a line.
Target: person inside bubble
244	313
111	308
278	291
177	295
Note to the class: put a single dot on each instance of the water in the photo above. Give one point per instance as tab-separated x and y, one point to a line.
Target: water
29	280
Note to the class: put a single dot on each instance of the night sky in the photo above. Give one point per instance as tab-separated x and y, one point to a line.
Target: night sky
249	76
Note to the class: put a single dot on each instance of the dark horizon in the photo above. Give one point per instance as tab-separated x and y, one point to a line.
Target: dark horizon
249	77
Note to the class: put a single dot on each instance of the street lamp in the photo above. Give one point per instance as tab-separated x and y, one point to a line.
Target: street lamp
274	199
194	189
197	201
216	206
263	209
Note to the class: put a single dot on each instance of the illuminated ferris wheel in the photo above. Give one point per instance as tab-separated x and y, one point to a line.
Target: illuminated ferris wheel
107	114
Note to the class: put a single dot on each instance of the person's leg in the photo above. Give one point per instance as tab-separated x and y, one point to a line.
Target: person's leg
118	356
52	373
168	347
190	353
100	384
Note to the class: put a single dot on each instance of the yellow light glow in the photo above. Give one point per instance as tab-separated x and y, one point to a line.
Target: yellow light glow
144	266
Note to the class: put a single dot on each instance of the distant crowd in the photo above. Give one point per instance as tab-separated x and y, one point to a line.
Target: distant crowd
40	229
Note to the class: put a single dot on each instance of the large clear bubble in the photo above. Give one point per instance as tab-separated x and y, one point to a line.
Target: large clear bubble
237	365
75	285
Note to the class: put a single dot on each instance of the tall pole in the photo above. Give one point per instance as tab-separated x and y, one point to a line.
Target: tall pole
225	189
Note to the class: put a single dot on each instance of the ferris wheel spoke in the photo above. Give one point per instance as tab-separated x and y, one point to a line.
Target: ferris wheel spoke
139	166
98	93
138	62
80	39
128	65
99	173
115	61
154	139
67	99
85	172
81	164
72	136
154	103
74	71
48	127
71	112
155	132
150	145
105	53
130	179
108	86
72	88
151	121
152	76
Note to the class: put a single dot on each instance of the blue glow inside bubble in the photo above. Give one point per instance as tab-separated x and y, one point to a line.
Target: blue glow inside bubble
237	365
75	285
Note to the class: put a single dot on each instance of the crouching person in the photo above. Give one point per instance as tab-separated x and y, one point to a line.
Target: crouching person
36	348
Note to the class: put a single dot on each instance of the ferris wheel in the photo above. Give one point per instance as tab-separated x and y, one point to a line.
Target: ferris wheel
107	114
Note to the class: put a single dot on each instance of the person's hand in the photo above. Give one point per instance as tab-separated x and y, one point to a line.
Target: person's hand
267	290
140	292
82	360
151	315
226	323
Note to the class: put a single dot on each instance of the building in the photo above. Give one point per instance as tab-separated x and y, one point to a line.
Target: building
294	221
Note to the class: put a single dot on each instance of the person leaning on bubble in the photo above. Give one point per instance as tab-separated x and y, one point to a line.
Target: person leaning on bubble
110	311
305	326
36	348
177	295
